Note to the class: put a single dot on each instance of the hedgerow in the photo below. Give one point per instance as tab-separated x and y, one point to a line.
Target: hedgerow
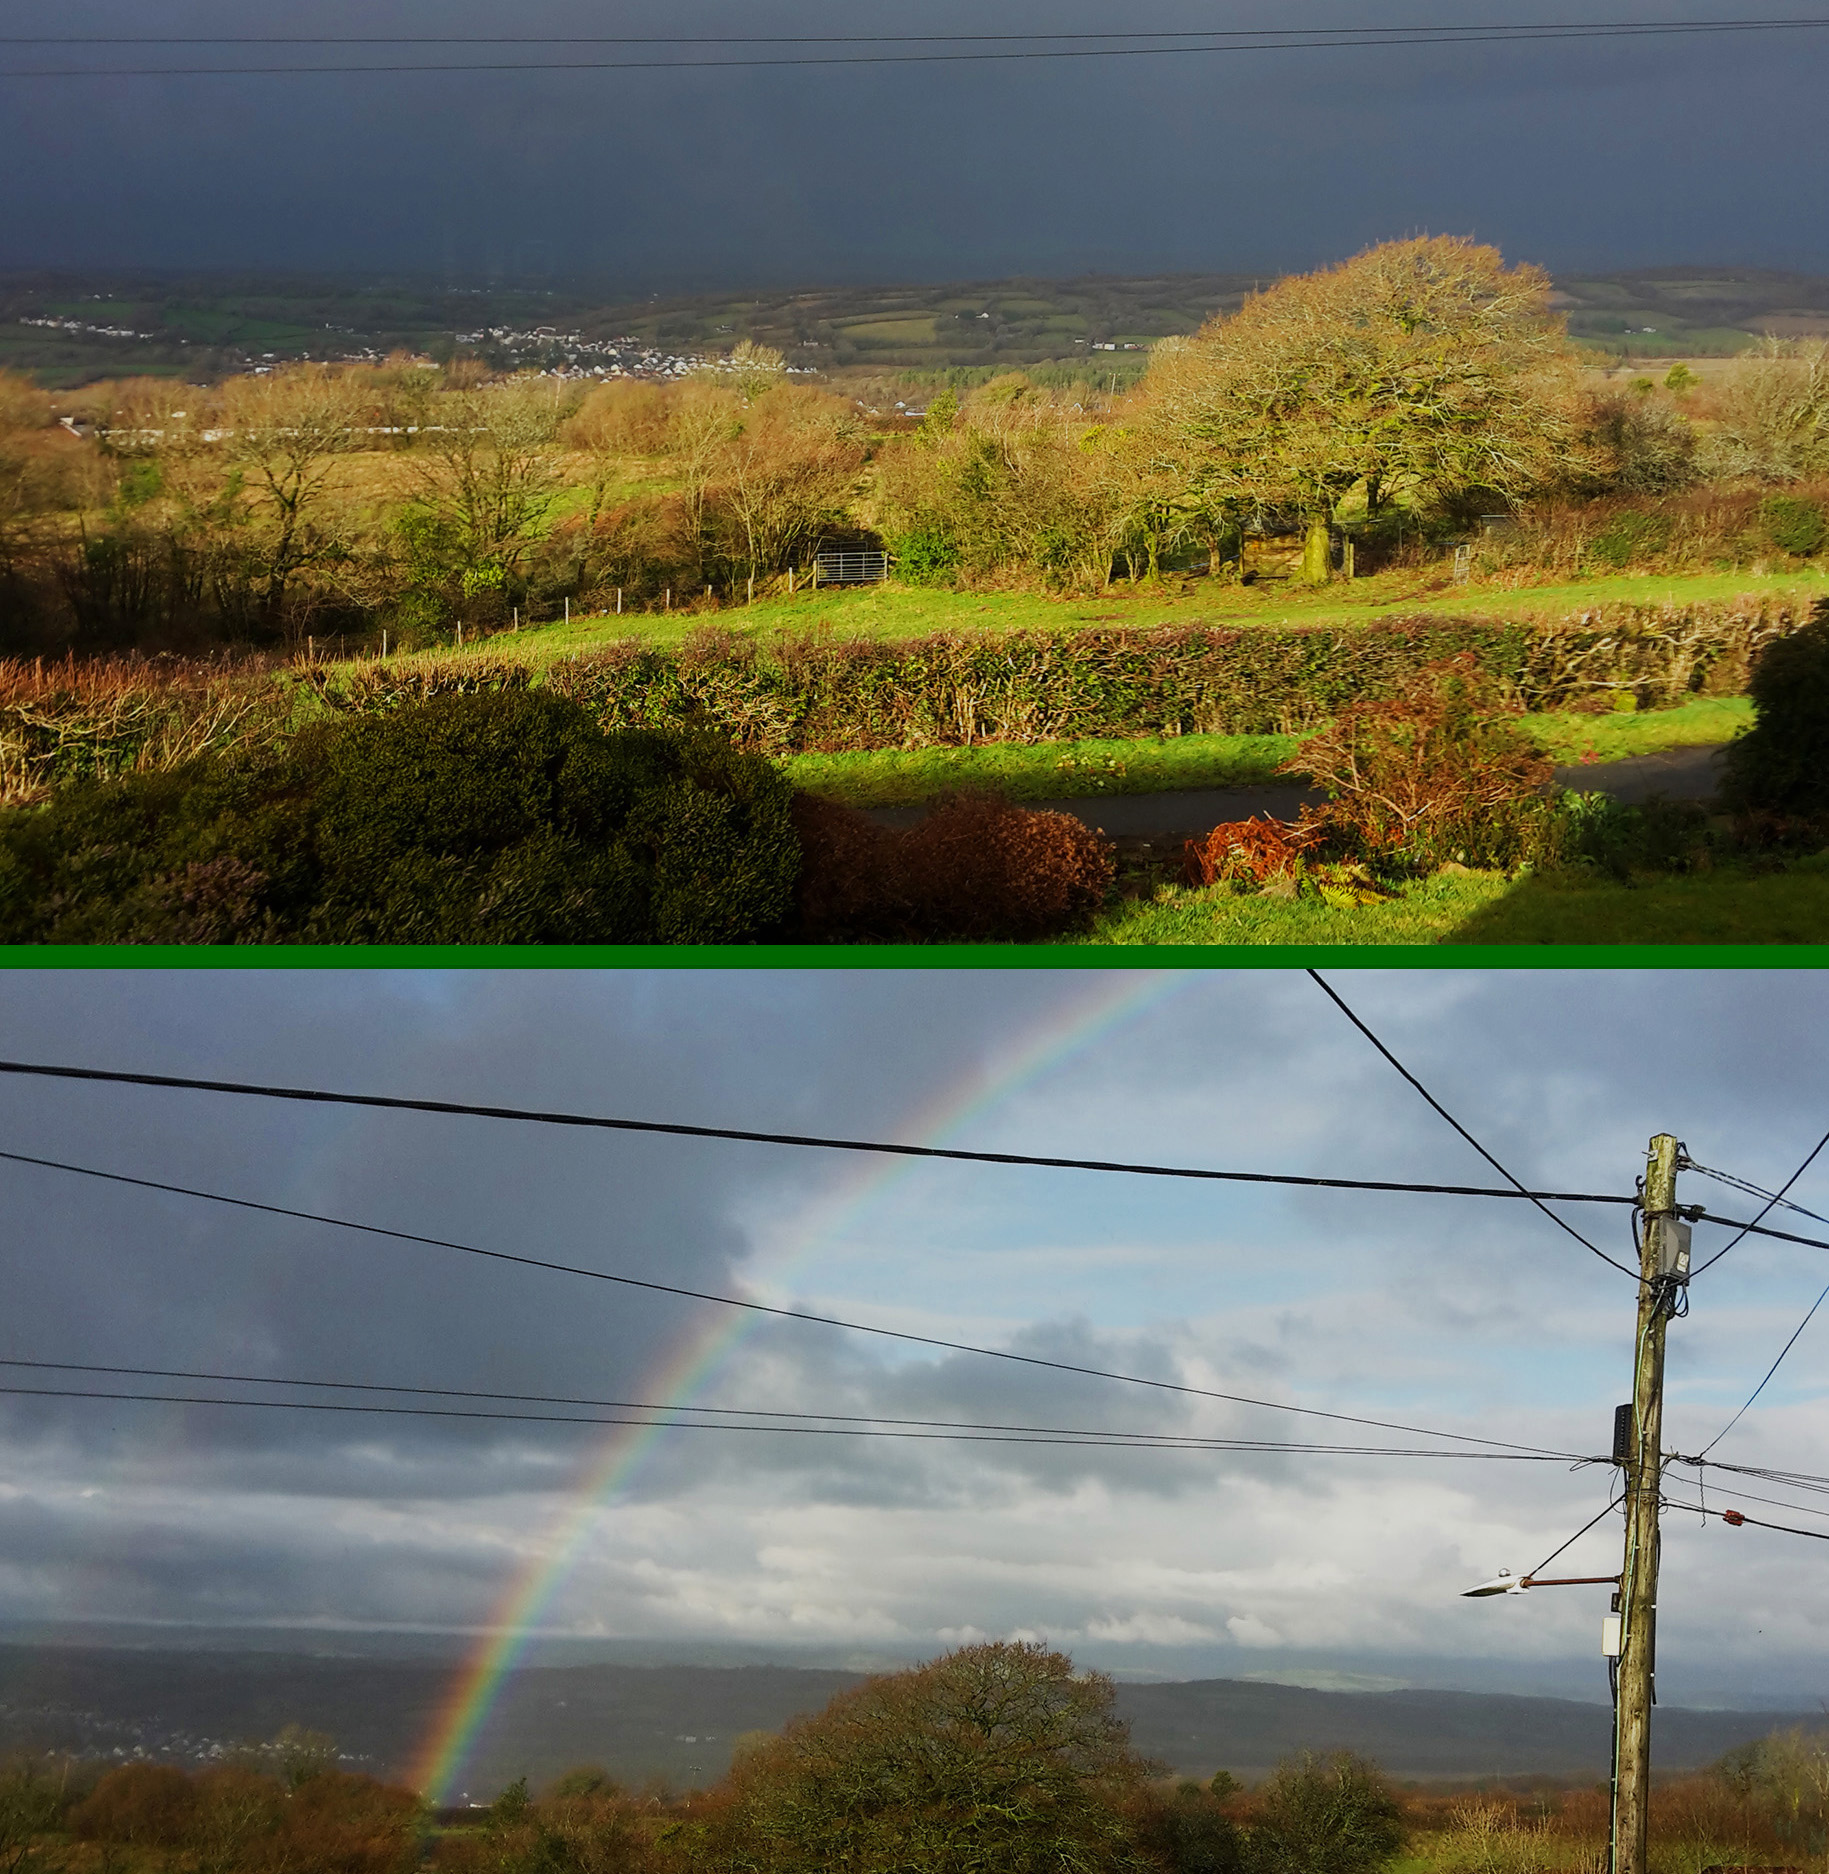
819	694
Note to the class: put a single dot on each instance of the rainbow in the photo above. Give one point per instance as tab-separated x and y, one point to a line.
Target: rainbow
1103	1002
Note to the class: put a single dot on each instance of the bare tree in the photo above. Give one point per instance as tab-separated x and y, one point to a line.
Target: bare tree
489	473
1771	423
281	432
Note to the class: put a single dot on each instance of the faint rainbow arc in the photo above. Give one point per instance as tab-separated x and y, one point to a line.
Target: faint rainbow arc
691	1363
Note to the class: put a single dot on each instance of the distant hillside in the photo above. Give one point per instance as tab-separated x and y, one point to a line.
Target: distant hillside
70	328
679	1722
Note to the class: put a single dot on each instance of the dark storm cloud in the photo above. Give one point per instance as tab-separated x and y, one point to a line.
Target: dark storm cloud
1421	1310
1621	153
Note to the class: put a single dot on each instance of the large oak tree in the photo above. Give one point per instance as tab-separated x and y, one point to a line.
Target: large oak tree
1418	372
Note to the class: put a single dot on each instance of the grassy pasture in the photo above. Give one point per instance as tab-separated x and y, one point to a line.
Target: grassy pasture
893	611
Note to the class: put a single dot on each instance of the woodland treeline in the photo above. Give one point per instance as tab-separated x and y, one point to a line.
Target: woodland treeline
998	1756
1388	404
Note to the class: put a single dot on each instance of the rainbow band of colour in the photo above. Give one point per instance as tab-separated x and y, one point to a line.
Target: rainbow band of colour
1102	1003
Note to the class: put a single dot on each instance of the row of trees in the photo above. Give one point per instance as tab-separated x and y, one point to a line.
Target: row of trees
315	500
1405	391
996	1759
1408	390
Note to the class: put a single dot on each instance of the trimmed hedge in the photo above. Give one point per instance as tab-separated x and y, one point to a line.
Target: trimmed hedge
950	689
504	818
957	689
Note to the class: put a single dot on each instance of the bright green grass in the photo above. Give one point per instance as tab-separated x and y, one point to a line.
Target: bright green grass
1728	906
1042	770
1427	911
891	612
893	777
1707	721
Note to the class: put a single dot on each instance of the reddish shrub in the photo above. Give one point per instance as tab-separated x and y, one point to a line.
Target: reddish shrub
149	1803
1435	771
974	868
1252	851
338	1823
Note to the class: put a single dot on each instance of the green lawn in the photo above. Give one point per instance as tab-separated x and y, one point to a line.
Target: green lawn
1424	912
893	611
1707	721
1728	906
1042	770
892	777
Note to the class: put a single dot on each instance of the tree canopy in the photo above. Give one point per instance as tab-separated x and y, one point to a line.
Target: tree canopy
995	1757
1418	371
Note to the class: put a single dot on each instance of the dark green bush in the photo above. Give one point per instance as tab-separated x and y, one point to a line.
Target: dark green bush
1600	832
1781	764
496	818
925	556
1635	534
1794	524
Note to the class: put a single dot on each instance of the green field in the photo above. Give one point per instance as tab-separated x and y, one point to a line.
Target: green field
216	323
891	612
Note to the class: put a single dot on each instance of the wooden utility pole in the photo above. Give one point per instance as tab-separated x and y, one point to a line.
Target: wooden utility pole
1662	1273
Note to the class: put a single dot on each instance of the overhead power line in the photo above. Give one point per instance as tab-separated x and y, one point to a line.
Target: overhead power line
317	1096
1773	1199
1756	1190
1535	1197
1105	1441
1773	1368
1318	39
761	1308
663	1414
1737	1517
1242	33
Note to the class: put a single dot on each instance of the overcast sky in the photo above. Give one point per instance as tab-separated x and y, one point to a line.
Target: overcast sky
1615	153
1450	1314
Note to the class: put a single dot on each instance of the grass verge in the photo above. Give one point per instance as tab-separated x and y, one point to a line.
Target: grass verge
1709	720
893	611
893	777
896	777
1732	905
1424	911
1728	906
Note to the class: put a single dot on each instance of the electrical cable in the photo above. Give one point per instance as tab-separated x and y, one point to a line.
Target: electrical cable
1349	39
808	1431
869	39
318	1097
1773	1368
1328	990
1735	1519
1613	1503
1751	1190
1137	1440
765	1308
1776	1503
1777	1197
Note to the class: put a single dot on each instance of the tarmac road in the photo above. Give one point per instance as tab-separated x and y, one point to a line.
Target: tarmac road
1186	813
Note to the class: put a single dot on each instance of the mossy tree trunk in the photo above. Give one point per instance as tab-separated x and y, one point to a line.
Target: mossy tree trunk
1317	553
